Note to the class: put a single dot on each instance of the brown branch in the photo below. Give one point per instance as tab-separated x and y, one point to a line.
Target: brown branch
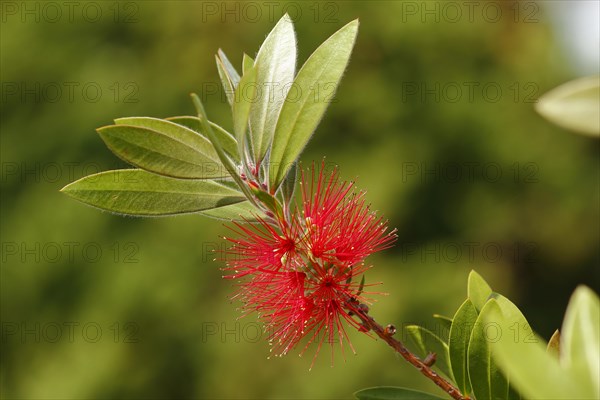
387	335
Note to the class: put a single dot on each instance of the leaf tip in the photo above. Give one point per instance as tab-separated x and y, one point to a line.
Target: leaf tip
67	189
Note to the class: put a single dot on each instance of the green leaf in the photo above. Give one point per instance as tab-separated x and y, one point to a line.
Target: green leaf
580	341
487	381
554	344
171	129
289	184
478	290
244	211
232	74
242	104
535	373
444	324
226	139
188	121
269	201
178	152
219	149
229	76
458	345
306	103
276	64
574	105
424	342
141	193
247	63
393	393
225	81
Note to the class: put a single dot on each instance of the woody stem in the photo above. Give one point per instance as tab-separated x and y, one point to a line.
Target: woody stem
385	334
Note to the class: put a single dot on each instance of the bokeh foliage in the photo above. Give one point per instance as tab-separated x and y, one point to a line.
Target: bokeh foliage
395	117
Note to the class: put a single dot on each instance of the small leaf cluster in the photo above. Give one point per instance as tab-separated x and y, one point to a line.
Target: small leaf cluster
189	164
490	351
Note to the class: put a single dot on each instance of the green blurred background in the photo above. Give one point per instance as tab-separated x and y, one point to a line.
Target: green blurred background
434	118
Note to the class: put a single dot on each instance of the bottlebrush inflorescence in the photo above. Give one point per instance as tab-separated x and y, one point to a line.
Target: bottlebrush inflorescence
300	270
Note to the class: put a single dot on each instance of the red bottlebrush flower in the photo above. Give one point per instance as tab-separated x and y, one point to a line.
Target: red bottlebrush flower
332	291
341	228
260	248
301	271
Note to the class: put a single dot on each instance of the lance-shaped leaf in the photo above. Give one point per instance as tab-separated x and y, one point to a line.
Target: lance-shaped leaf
229	76
232	73
172	129
178	152
307	101
580	339
574	105
225	138
478	290
443	324
269	201
276	63
247	63
458	344
242	104
288	187
243	211
487	380
141	193
231	168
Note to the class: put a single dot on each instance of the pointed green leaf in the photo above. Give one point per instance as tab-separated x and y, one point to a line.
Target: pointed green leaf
232	73
229	76
188	121
487	381
289	184
554	344
535	373
226	139
276	64
444	324
247	63
228	87
423	342
306	103
141	193
574	105
478	290
458	345
244	211
242	103
393	393
268	201
180	153
231	168
580	341
173	130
